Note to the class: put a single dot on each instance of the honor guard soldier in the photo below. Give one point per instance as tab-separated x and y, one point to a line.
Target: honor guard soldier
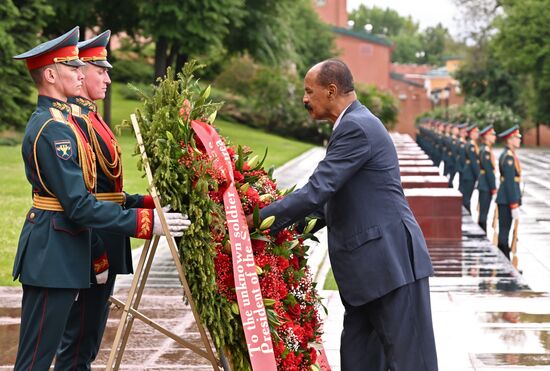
470	167
486	184
53	259
436	133
450	143
509	194
460	151
112	255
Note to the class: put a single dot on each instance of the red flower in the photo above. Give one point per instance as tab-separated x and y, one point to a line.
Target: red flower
295	310
231	152
238	176
313	355
294	262
283	263
283	236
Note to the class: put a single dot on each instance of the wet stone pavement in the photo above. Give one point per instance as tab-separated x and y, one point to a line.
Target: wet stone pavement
486	315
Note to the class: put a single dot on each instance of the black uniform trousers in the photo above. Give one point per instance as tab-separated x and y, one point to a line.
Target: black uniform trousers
44	313
484	205
85	326
452	173
402	323
467	188
504	225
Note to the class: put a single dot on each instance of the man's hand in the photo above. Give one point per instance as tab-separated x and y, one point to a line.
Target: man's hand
250	220
515	213
101	278
177	223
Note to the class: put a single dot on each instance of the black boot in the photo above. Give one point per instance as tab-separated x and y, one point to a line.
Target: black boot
505	250
483	226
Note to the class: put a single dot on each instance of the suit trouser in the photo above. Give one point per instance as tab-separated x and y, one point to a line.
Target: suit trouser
44	313
484	205
82	337
504	225
402	322
467	188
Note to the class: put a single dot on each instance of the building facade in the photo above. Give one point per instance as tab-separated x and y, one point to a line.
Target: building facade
417	88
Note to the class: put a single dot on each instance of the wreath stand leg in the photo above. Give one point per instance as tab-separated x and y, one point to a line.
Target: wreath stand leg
130	307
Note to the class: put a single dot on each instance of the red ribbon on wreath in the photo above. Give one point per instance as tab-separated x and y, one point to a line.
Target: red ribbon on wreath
247	285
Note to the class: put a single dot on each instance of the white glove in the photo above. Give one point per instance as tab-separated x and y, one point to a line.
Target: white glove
515	213
101	278
177	223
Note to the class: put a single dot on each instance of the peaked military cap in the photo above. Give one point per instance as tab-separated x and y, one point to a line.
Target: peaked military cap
59	50
513	131
472	127
94	50
487	130
462	126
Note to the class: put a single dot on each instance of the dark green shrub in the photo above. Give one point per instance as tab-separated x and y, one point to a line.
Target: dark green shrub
128	92
382	105
132	71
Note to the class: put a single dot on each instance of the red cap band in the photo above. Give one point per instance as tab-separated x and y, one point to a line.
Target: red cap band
64	54
99	53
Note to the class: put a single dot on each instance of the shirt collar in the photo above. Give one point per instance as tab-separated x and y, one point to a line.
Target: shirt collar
340	117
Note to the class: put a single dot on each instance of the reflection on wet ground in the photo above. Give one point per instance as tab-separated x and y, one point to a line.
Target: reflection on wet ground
517	359
486	315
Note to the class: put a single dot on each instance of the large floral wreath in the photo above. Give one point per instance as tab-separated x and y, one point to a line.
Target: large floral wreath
186	179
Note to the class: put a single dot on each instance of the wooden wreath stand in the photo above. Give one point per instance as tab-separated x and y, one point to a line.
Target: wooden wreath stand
130	307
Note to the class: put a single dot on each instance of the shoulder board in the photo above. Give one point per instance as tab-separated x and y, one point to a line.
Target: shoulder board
57	115
76	110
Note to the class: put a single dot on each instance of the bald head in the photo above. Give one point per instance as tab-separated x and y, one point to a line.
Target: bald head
328	90
334	71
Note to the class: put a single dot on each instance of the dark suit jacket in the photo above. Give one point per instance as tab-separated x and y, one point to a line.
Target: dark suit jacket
366	213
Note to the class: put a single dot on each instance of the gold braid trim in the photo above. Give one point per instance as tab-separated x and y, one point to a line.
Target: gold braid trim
86	156
36	158
112	169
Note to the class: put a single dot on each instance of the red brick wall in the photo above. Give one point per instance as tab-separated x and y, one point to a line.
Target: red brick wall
333	12
403	69
530	137
412	102
369	62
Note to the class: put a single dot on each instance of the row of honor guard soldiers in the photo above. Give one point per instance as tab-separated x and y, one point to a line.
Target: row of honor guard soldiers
467	151
75	238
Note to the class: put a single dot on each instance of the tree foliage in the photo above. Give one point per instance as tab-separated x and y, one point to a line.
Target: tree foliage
483	76
523	45
411	44
482	113
279	32
184	28
22	21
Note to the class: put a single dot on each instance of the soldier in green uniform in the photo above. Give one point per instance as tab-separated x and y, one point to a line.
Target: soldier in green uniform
454	153
509	194
460	151
53	259
470	167
486	185
436	134
88	317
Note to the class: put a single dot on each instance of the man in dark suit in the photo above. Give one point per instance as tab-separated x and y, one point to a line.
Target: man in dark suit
377	250
53	259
